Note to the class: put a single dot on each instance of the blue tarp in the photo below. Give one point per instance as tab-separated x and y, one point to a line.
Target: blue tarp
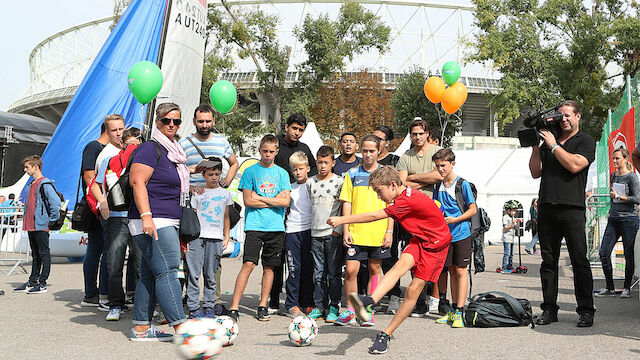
103	91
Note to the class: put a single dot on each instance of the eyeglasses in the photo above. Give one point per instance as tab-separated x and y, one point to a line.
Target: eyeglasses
167	121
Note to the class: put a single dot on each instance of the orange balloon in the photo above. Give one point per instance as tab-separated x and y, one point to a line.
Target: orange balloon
462	88
434	88
453	98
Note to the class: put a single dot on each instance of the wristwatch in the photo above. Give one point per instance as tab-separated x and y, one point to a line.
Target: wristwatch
553	147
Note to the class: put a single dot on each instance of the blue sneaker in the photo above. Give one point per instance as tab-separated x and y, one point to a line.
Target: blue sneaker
152	334
197	314
507	271
209	313
347	317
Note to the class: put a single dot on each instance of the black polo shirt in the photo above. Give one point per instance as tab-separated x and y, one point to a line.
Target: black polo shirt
286	150
558	185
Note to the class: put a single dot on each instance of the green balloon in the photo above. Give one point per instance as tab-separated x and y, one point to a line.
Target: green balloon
145	81
451	72
223	96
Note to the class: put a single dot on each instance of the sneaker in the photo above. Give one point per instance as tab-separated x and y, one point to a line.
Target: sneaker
394	304
38	289
443	306
363	307
294	312
527	251
347	317
161	319
209	313
537	252
457	320
103	305
23	288
432	305
332	315
316	314
196	314
507	271
626	293
274	308
234	315
447	319
263	314
418	311
381	344
605	293
114	314
370	322
128	300
220	309
152	334
93	302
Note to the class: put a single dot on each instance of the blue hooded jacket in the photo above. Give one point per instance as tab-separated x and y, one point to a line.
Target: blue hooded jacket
44	217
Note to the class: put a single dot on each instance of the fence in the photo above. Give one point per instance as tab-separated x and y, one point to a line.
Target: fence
14	250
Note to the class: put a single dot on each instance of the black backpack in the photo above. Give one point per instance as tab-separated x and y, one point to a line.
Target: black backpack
123	181
63	212
488	310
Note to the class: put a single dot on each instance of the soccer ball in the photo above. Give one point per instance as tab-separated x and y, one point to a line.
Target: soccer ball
199	338
228	329
303	330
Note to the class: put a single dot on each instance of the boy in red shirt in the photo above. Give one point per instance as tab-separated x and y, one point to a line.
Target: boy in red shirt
424	256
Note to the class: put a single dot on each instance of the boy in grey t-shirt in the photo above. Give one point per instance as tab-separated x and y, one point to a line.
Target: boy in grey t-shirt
326	242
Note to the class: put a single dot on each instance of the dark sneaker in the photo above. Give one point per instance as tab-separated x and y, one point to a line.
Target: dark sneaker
586	320
104	305
219	310
274	307
209	313
196	314
444	307
381	344
605	293
128	300
38	289
92	302
263	314
23	288
363	306
234	315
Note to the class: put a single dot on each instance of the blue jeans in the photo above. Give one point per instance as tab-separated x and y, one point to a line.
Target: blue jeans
93	260
507	257
328	257
117	238
532	243
159	278
203	254
300	265
627	227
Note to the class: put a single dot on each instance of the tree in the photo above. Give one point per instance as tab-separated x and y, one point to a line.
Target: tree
558	49
351	102
409	101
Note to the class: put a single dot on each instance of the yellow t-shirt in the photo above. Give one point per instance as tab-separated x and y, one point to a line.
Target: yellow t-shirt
356	190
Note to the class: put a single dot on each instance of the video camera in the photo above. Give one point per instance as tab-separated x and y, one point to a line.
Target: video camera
548	119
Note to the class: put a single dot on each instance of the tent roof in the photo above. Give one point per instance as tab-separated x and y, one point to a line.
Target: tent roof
27	127
311	137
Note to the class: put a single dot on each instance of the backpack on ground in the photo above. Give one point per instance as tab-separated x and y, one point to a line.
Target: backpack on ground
57	225
497	309
123	180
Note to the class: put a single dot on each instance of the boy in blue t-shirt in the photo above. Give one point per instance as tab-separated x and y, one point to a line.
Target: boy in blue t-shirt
459	222
266	194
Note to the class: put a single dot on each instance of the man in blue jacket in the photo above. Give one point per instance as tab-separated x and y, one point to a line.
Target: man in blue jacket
38	215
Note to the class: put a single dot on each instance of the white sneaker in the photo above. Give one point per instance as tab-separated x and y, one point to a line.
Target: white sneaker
114	314
433	304
626	293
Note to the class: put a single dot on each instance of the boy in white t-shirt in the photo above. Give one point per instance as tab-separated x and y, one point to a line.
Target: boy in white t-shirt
205	252
509	228
299	283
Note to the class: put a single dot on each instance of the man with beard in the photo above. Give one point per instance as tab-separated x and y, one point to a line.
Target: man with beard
204	144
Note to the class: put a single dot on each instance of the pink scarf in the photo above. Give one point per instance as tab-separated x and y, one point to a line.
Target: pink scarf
176	155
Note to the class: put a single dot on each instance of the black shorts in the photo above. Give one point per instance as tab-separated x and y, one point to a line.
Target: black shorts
361	253
270	242
459	253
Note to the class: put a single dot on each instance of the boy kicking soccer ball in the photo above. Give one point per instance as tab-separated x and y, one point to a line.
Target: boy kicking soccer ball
424	256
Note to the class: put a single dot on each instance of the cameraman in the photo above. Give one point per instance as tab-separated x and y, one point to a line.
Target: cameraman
563	164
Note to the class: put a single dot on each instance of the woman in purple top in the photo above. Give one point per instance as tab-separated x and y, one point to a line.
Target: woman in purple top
159	183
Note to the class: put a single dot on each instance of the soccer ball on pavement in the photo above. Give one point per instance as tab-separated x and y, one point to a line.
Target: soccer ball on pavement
302	330
199	338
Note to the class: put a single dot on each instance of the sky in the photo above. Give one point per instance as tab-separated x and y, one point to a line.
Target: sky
27	23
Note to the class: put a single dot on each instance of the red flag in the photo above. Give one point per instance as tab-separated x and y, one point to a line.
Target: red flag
624	136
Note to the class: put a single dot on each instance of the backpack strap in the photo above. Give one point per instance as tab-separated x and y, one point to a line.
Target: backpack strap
45	200
462	204
196	146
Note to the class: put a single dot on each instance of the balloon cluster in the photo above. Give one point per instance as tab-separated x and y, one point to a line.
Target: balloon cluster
451	98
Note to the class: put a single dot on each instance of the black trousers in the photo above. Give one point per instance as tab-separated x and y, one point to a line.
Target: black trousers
41	264
556	222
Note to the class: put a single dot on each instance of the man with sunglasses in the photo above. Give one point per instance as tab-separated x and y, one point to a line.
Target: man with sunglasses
204	144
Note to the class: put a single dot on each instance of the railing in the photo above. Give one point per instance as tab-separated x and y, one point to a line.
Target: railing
14	250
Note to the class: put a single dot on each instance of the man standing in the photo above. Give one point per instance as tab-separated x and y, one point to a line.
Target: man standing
200	145
562	165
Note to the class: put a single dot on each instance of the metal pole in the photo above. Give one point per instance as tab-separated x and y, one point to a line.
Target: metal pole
629	103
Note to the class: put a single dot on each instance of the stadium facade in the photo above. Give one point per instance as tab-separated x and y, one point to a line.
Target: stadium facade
423	33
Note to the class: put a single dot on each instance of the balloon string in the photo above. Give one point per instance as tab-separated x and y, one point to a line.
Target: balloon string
141	118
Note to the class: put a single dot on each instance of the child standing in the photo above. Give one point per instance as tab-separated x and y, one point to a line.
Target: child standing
326	241
266	194
298	240
363	241
39	213
459	221
509	228
424	256
205	252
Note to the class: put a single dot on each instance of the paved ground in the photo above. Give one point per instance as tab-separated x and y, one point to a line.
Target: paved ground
54	325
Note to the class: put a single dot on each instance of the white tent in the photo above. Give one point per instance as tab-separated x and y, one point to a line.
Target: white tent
312	138
404	146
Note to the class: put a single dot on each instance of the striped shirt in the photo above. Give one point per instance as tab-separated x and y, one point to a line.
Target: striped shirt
217	145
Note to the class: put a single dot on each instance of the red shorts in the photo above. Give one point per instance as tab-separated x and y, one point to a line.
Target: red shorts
428	263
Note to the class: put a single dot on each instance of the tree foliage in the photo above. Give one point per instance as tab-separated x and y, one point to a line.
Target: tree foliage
409	101
558	49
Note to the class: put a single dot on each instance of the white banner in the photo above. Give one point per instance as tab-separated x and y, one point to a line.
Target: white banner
183	58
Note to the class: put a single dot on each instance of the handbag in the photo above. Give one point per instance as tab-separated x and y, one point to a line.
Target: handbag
234	214
82	219
189	224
